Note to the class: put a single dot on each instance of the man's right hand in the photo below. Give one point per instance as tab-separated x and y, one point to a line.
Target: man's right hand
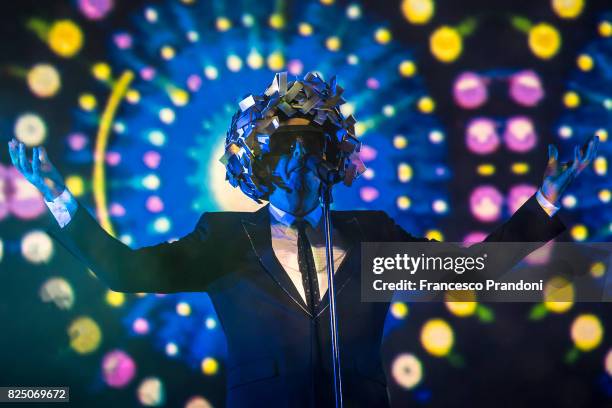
40	171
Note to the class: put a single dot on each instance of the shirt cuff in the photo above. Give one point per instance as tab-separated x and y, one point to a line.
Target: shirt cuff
63	207
546	205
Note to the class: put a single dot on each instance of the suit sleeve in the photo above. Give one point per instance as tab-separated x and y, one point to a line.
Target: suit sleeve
530	224
161	268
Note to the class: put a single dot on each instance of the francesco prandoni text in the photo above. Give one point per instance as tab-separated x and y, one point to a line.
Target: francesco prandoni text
459	265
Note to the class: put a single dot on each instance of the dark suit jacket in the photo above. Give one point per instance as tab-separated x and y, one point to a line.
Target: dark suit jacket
279	354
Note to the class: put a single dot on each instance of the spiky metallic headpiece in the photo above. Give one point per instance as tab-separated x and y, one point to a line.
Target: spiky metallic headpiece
247	144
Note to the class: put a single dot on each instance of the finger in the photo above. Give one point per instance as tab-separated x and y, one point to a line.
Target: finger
576	161
23	161
592	149
35	162
44	158
13	153
553	155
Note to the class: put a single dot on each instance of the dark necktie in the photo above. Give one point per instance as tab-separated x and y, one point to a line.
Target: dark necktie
307	268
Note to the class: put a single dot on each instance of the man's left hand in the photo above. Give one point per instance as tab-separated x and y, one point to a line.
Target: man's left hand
558	176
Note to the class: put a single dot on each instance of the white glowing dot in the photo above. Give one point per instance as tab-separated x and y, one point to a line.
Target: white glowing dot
234	63
166	115
565	132
607	103
368	174
171	349
151	392
162	225
151	182
353	11
183	309
388	110
43	80
248	20
211	323
440	206
435	136
569	201
30	129
37	247
193	36
609	362
211	72
347	109
407	370
352	59
157	137
127	239
255	59
119	127
151	15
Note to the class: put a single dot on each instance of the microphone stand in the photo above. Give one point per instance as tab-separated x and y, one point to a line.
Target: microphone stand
328	176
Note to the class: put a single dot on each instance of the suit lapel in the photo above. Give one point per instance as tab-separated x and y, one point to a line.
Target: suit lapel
351	232
257	228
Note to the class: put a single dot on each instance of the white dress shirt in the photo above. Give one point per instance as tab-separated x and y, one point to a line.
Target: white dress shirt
284	237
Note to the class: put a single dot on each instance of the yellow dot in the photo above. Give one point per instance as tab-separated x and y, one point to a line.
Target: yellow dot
601	166
179	97
568	8
437	337
426	104
598	269
101	71
44	80
585	62
605	29
233	62
333	43
399	310
132	96
461	303
604	195
255	59
485	169
276	21
209	366
382	36
76	185
65	38
115	299
418	11
276	61
403	202
544	40
407	68
85	335
223	24
558	294
305	29
446	44
404	172
87	102
183	309
579	232
520	168
400	142
602	134
571	99
167	52
327	2
360	129
587	332
434	235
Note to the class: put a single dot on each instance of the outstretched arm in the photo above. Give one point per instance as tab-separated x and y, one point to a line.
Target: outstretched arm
166	267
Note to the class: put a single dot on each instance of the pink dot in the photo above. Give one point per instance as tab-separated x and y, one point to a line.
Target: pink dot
154	204
147	73
295	67
368	194
520	135
481	136
95	9
474	237
470	90
151	159
518	195
118	368
77	141
113	158
486	203
526	88
194	82
141	326
24	200
116	210
367	153
123	40
373	83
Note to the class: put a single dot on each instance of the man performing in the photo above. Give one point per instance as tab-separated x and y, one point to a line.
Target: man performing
265	271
